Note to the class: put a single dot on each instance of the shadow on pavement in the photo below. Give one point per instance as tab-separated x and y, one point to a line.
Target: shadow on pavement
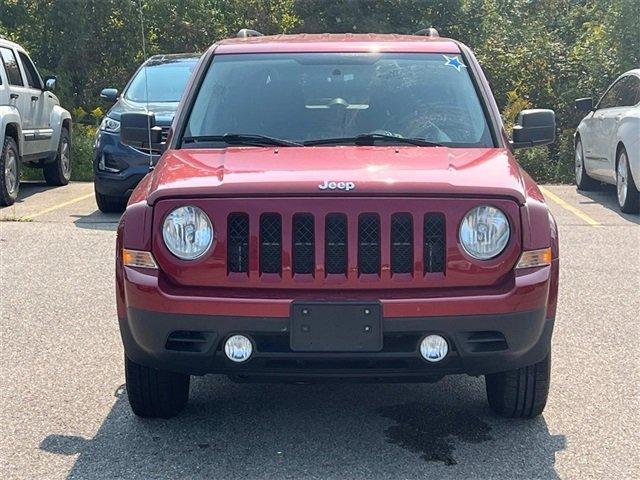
30	188
98	221
441	430
607	196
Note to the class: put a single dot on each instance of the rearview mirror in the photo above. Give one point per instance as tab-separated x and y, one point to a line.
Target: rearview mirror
584	104
109	94
139	129
533	128
50	83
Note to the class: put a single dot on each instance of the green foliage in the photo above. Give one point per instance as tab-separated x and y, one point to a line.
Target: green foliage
82	152
535	53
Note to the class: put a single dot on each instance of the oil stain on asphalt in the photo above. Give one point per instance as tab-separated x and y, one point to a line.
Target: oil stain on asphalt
433	431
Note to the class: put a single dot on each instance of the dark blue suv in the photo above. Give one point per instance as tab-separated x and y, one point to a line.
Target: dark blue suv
117	167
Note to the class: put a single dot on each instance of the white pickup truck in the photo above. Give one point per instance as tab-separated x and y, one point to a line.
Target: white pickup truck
34	128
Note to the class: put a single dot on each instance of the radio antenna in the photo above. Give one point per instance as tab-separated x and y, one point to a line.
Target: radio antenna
146	81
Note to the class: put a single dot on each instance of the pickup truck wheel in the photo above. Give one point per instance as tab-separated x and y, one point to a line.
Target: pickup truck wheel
155	393
108	204
9	172
583	181
520	393
58	172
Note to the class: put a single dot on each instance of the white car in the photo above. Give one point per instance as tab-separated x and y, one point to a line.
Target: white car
34	129
607	142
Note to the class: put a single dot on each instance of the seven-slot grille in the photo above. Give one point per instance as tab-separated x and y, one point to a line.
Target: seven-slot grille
303	235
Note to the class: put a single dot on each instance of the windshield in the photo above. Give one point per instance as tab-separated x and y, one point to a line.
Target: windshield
166	80
309	97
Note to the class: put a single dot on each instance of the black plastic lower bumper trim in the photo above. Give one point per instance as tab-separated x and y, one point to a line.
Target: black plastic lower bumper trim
478	344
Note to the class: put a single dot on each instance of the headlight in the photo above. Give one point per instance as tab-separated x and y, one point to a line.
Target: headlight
108	124
484	232
187	232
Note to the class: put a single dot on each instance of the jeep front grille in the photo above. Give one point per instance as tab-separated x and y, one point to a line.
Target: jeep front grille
303	243
434	242
401	243
335	250
270	243
369	243
308	247
238	242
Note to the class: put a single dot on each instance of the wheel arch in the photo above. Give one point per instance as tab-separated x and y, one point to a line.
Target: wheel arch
577	138
13	130
59	118
10	125
619	147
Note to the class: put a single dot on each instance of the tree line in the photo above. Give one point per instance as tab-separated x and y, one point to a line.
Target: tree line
542	53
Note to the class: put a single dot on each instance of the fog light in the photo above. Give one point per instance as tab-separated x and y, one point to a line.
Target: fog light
434	348
238	348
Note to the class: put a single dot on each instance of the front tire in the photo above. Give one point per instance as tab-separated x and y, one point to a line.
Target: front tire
628	196
155	393
520	393
583	181
58	172
9	172
107	204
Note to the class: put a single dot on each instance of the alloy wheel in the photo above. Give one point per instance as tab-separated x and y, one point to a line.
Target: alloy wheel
11	171
579	164
622	183
65	158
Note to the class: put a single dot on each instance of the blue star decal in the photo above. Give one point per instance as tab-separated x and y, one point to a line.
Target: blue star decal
454	62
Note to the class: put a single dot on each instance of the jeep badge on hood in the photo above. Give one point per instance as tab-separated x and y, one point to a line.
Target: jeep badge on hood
346	186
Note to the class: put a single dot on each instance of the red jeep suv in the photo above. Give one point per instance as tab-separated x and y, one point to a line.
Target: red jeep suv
337	207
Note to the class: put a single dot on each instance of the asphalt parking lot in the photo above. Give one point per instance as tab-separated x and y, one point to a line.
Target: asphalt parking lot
64	412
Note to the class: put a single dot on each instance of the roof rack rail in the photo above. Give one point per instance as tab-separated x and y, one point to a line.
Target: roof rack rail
428	32
247	32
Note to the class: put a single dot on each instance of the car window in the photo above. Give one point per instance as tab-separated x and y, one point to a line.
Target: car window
609	98
33	79
316	96
166	81
621	94
630	91
11	66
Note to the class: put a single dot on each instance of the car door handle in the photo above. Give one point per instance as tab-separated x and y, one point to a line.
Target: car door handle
13	96
34	98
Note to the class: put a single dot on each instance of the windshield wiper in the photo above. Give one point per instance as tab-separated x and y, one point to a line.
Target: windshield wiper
242	139
368	139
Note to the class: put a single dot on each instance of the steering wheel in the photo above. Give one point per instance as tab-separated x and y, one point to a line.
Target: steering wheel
429	131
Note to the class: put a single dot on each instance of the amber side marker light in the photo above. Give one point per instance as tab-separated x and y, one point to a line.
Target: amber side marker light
138	258
535	258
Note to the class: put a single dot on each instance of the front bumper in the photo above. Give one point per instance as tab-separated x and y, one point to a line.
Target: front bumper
479	344
488	330
132	164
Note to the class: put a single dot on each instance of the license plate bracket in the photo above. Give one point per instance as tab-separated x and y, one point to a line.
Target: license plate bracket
336	327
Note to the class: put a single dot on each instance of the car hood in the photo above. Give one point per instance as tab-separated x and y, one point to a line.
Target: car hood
164	111
293	171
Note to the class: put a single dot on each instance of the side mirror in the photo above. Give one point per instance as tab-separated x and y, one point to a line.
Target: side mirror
533	128
50	83
136	129
109	94
584	104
